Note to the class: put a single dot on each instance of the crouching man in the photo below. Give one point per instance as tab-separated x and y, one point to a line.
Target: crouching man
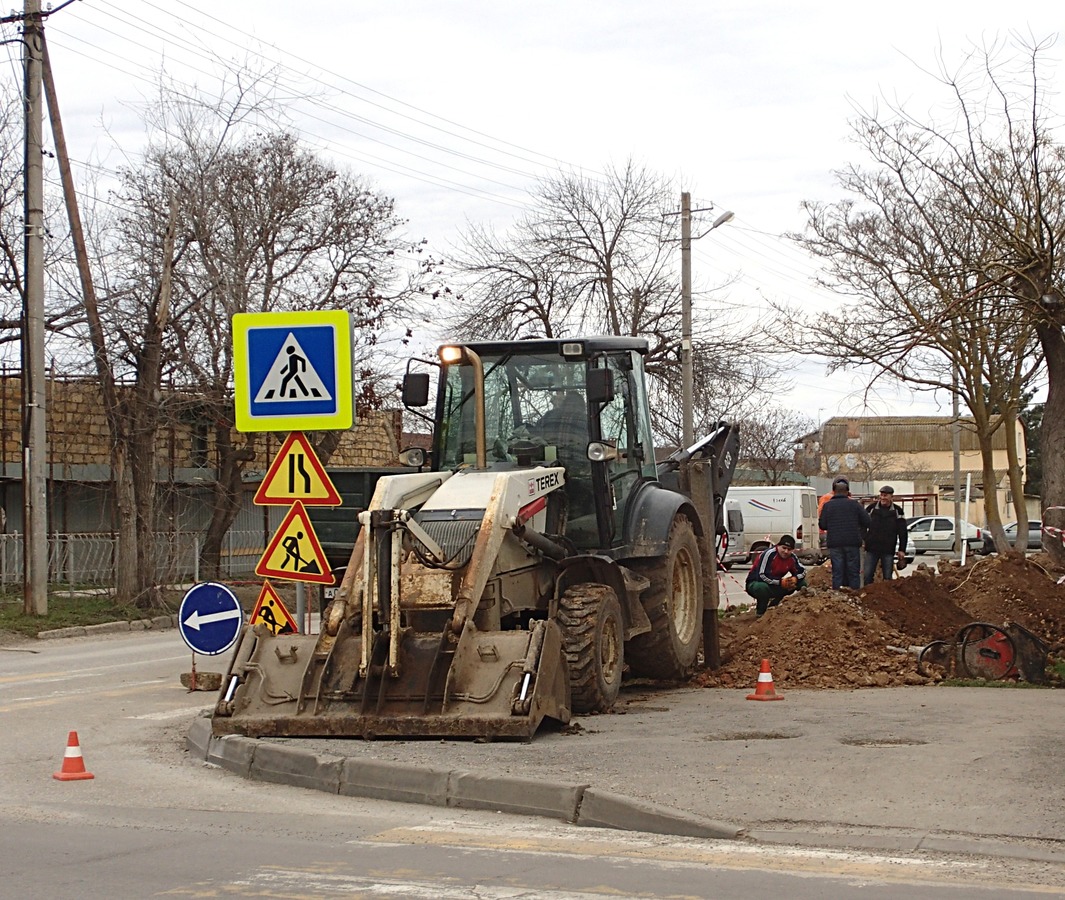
775	574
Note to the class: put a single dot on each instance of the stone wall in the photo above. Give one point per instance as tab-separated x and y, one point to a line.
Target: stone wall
78	436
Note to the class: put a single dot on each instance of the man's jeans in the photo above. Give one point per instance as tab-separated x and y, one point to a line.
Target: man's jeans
846	567
886	561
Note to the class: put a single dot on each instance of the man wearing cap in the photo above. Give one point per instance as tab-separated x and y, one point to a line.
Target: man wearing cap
845	523
775	574
888	530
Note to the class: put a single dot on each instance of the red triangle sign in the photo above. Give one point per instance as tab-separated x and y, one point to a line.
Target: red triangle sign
296	474
294	553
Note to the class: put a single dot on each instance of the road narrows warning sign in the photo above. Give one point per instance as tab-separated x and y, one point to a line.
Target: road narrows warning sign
297	474
294	553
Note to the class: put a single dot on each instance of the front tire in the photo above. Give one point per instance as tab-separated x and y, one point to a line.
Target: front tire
593	639
674	604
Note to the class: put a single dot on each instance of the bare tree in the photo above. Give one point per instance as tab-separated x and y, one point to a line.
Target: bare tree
600	256
270	226
770	435
224	214
949	244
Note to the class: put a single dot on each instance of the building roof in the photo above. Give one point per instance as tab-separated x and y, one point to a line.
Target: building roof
901	434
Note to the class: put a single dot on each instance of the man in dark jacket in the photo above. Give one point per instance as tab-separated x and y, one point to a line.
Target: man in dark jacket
845	522
775	574
887	530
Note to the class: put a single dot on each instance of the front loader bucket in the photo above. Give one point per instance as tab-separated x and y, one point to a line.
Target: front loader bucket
487	684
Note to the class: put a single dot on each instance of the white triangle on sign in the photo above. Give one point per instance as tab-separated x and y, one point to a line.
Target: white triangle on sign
292	377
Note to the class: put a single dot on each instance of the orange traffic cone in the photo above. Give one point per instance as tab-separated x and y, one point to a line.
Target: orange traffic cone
73	764
764	689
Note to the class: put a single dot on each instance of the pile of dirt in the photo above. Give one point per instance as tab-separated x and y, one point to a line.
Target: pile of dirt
822	638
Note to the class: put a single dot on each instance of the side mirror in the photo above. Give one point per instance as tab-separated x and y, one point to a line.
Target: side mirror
600	385
416	389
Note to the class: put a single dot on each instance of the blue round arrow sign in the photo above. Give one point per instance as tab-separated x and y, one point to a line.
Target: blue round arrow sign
210	618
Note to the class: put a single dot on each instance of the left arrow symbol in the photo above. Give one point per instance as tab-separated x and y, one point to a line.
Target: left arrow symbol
196	620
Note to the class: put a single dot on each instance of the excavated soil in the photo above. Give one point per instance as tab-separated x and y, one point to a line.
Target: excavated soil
822	638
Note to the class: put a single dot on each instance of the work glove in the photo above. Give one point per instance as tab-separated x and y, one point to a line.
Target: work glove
788	582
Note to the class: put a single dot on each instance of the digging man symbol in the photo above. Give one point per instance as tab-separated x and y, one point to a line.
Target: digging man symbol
295	556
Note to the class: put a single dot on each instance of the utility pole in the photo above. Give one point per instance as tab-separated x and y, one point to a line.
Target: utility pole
34	438
687	391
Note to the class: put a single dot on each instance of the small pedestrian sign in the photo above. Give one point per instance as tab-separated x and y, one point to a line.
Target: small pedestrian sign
297	474
292	371
271	612
294	553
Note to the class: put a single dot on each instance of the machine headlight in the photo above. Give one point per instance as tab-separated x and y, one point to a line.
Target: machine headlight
413	456
599	451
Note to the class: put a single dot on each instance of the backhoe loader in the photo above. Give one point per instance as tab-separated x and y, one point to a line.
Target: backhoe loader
535	554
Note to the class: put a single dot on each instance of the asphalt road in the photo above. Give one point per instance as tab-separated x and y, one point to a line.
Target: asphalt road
157	820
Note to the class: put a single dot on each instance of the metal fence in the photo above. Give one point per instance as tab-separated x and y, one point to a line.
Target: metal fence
80	560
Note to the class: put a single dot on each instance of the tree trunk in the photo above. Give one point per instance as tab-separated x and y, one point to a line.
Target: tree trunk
228	498
990	486
1052	500
127	552
1016	480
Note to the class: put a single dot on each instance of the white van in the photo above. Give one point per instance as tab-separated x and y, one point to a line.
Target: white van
769	512
736	548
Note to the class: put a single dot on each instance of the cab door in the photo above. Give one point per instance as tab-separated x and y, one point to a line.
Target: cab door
625	423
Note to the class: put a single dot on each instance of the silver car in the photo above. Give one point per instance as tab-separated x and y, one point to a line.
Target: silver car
937	533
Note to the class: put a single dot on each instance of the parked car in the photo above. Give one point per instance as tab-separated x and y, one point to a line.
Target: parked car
937	533
1035	536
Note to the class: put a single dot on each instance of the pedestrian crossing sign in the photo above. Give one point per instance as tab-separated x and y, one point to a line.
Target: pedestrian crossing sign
294	553
271	612
297	474
292	371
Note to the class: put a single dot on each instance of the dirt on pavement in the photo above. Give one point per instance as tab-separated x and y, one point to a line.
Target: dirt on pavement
822	638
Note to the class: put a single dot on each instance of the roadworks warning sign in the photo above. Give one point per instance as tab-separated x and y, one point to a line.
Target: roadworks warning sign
294	553
271	612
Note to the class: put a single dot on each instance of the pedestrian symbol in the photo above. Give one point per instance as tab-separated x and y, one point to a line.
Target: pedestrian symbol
297	474
292	371
292	377
271	612
295	554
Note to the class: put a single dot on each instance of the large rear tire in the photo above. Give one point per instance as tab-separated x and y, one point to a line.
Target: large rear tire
593	639
674	604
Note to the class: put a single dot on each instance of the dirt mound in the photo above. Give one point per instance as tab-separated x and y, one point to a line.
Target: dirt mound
842	639
1003	589
819	639
920	606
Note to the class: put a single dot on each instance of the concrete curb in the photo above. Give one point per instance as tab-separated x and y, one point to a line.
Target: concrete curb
156	623
601	809
578	804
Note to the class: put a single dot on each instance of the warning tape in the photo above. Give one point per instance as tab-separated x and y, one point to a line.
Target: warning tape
1050	529
721	576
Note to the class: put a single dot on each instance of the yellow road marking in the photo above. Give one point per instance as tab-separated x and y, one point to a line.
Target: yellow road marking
913	868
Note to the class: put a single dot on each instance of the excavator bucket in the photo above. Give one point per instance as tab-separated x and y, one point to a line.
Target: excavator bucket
484	684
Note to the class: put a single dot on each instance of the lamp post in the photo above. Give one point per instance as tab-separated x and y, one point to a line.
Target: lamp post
687	374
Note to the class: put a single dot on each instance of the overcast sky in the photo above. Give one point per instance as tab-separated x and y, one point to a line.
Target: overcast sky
455	108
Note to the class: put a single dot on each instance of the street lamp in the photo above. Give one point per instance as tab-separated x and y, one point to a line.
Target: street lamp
687	375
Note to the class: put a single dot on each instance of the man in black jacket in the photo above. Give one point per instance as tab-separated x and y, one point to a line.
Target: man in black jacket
845	522
888	529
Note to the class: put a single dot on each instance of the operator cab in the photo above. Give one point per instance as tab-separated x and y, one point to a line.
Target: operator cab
578	404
